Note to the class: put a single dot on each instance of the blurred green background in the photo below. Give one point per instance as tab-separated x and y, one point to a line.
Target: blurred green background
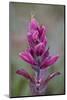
53	17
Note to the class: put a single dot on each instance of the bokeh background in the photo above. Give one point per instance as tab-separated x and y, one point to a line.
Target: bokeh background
19	16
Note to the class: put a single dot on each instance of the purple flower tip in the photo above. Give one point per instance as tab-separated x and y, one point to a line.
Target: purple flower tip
33	25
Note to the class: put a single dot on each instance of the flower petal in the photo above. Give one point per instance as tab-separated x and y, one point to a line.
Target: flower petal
22	72
26	56
51	76
49	61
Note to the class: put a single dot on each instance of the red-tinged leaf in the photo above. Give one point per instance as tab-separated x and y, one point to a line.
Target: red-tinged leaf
51	76
25	74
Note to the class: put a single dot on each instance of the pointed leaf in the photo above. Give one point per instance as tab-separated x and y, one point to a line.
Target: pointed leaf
51	76
24	73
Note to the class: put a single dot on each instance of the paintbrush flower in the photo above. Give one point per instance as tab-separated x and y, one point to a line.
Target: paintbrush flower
38	56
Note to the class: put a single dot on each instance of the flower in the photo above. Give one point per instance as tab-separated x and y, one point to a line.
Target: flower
38	55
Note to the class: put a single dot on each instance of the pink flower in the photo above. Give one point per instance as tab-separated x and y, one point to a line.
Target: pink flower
38	56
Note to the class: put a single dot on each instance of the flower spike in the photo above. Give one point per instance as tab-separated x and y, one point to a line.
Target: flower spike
38	57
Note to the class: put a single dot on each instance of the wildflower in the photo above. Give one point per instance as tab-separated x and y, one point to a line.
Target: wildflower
38	56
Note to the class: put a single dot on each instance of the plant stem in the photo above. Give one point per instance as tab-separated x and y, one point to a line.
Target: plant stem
38	73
